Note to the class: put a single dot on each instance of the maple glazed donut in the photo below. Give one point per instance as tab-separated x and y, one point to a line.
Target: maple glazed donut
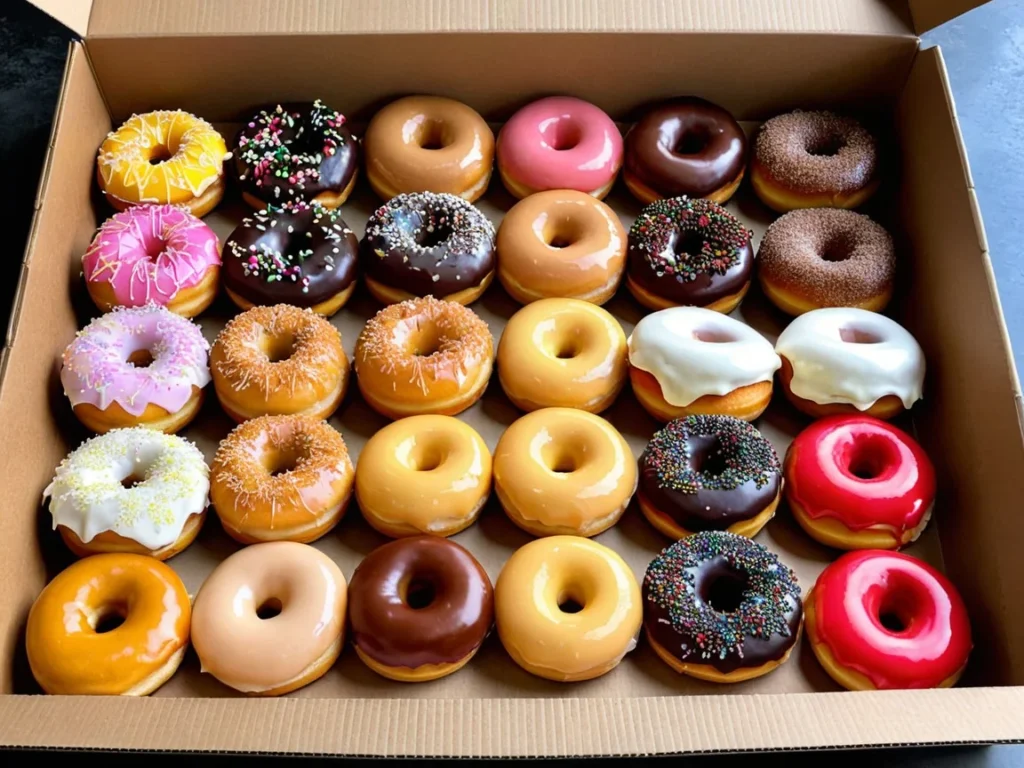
884	620
567	608
561	244
270	618
76	646
423	356
423	474
419	608
279	360
166	157
563	471
428	144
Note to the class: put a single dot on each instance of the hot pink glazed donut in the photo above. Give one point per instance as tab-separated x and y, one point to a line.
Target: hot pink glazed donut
153	253
559	143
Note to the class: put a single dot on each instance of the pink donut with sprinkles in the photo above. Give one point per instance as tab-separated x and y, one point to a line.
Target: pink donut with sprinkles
159	254
559	143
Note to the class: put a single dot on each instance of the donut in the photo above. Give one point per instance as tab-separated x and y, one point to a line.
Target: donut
423	356
158	254
567	608
296	152
883	620
563	471
826	257
136	366
814	160
279	360
689	360
689	252
419	608
280	478
562	353
709	473
298	253
721	607
856	482
559	142
428	144
165	157
270	618
688	147
847	361
423	474
561	244
110	624
428	244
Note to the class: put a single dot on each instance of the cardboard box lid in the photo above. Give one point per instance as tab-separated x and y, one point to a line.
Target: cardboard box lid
121	18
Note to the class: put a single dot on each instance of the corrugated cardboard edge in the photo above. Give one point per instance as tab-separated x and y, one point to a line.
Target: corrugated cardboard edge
73	14
928	14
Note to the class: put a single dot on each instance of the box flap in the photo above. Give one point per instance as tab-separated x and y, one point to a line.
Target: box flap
928	14
73	14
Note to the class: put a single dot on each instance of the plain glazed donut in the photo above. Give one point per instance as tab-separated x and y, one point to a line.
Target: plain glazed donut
561	244
75	647
428	144
567	608
270	618
563	471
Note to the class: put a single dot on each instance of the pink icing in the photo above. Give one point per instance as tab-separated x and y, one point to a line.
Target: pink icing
150	252
560	143
96	368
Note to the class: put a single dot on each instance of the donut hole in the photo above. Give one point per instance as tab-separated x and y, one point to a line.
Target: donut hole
269	608
561	134
713	336
431	236
567	349
692	142
707	456
132	480
109	618
281	462
420	593
895	611
430	134
871	457
423	457
154	247
892	621
561	234
141	358
838	248
724	590
559	459
570	602
160	153
825	146
278	348
686	244
852	335
425	343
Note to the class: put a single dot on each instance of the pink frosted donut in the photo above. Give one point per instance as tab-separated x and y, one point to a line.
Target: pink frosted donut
559	143
153	253
136	366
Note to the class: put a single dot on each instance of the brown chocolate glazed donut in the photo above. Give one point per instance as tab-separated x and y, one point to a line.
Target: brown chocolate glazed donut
420	607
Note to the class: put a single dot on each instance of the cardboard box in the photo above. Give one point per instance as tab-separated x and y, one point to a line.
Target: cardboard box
757	58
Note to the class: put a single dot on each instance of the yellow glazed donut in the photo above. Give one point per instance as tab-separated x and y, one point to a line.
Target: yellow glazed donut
563	471
562	352
567	608
423	474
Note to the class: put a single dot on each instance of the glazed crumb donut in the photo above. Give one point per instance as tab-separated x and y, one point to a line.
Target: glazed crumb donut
847	361
110	624
163	157
689	360
428	144
563	471
826	257
561	244
423	356
814	160
280	478
883	620
855	482
419	608
562	353
270	618
567	608
279	360
721	607
136	366
423	474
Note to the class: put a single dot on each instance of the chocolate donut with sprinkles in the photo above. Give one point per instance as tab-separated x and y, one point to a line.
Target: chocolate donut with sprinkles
296	152
298	253
721	607
428	244
689	252
709	473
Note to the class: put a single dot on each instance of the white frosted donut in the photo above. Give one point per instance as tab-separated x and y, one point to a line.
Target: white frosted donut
693	352
852	356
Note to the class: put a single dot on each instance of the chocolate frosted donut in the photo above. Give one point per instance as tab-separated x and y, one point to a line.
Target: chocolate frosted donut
428	244
300	254
685	147
826	257
689	252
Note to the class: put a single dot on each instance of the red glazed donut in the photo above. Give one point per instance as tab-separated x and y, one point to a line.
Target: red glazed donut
856	482
883	620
